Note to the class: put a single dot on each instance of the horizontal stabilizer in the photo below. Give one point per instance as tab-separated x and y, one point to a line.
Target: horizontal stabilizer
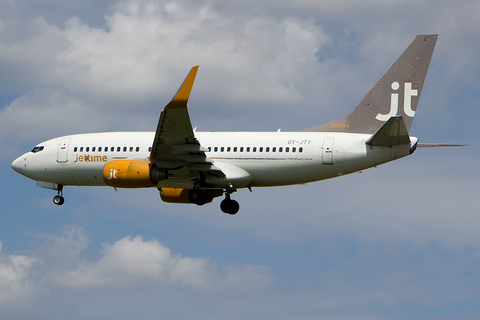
392	133
434	145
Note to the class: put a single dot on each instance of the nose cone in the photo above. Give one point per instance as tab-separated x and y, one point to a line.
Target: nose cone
17	164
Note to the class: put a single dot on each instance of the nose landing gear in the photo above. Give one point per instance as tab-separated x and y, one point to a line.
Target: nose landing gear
228	205
58	199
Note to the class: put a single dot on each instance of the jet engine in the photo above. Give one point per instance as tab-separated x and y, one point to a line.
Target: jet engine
133	174
196	196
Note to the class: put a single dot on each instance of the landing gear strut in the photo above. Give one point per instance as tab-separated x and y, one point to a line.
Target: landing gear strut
197	196
228	205
58	199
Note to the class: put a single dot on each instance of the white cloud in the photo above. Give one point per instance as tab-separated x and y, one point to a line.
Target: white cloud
254	58
130	261
16	288
99	76
13	272
135	262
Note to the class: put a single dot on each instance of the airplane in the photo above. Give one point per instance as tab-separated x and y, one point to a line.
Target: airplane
193	167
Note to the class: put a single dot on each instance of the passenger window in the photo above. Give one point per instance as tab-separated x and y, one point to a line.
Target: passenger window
81	149
118	149
267	149
86	149
216	149
280	149
124	149
294	149
300	149
287	149
222	149
99	149
137	149
112	149
209	149
75	149
131	149
261	149
274	149
234	149
248	149
241	149
93	149
254	149
228	149
149	149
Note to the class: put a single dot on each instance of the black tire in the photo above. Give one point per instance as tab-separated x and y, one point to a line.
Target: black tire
229	206
58	200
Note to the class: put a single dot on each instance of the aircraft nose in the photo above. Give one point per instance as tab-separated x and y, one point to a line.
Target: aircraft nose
17	164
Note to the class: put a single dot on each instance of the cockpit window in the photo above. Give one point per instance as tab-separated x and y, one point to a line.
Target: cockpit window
37	149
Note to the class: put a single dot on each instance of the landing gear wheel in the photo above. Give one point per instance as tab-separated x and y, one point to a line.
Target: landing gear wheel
58	200
229	206
198	197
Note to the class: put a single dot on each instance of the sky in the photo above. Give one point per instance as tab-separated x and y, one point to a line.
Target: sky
394	242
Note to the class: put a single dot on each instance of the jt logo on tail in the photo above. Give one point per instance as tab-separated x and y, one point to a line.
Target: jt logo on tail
407	102
384	100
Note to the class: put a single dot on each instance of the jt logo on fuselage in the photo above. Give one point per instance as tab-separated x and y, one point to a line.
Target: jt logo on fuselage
113	174
407	102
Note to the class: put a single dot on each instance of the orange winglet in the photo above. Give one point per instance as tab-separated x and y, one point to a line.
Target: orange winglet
181	97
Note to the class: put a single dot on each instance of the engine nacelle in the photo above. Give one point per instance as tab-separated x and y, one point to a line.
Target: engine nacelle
132	174
180	195
175	195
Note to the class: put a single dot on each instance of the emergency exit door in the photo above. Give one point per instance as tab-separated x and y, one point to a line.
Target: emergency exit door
62	155
328	151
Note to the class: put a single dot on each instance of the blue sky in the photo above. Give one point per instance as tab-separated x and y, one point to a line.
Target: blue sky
398	241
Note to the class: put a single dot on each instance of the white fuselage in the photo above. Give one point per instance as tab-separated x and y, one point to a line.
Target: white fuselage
268	158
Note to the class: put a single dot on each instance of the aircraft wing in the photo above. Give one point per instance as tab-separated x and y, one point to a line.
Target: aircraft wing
175	145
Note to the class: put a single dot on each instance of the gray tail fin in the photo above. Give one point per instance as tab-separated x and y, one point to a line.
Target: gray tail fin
395	94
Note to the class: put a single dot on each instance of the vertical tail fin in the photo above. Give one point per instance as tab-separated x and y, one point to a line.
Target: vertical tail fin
395	94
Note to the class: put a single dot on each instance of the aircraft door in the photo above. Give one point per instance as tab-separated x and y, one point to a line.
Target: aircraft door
327	153
62	155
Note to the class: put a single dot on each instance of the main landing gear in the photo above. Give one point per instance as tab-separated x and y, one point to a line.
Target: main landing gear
58	199
198	197
228	205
